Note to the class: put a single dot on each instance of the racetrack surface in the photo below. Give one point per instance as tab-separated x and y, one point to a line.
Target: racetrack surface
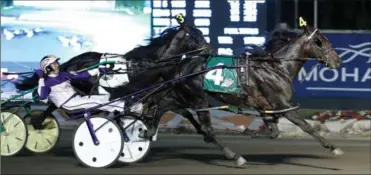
188	154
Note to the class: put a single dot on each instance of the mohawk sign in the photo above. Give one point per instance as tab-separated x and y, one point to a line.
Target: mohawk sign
351	79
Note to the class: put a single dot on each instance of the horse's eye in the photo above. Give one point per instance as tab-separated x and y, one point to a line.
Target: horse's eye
318	42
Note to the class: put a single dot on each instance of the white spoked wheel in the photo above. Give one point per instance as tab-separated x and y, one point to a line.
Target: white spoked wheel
104	154
135	148
44	139
13	134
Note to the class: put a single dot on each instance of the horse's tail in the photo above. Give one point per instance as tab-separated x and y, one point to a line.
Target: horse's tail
27	83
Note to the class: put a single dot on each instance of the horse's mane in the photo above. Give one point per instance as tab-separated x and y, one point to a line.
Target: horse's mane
88	57
279	38
197	35
255	50
276	39
149	51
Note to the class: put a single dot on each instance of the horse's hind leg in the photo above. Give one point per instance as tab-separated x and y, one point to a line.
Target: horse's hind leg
204	118
186	114
270	123
305	126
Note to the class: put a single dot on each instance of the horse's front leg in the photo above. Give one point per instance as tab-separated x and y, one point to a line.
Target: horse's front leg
306	127
152	127
210	136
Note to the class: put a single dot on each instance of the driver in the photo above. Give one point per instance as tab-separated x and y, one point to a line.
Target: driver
55	86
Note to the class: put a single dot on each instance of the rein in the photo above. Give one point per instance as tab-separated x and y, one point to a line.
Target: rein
181	55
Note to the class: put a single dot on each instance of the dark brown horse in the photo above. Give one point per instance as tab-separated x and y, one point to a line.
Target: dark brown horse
270	85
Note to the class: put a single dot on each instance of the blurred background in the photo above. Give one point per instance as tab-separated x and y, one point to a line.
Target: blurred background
32	29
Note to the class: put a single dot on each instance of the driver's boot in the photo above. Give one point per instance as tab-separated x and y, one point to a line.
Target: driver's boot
37	123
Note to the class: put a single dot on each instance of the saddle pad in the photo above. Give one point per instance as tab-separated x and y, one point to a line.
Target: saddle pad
223	80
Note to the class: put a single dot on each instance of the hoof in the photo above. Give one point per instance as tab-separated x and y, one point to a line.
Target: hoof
240	161
337	152
207	140
143	134
274	136
229	153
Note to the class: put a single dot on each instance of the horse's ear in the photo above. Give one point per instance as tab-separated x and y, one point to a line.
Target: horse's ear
303	24
180	19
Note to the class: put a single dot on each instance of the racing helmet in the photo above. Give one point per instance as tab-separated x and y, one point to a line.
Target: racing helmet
46	61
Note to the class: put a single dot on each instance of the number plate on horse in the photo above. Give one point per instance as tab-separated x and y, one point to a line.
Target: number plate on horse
223	80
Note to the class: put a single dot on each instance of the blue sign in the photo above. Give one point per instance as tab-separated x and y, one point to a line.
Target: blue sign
352	79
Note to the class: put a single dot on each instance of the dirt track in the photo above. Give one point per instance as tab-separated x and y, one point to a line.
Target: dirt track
187	154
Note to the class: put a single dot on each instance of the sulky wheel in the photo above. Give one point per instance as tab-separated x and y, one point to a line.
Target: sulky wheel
135	148
43	138
13	133
107	151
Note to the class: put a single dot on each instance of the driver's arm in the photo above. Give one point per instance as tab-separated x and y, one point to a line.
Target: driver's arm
43	91
85	75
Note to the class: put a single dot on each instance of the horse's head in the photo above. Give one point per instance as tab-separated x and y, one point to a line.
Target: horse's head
186	38
172	41
318	46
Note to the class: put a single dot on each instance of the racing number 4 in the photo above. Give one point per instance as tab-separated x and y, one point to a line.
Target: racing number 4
302	23
215	75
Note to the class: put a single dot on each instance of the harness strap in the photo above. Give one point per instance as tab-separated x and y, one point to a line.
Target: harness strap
238	72
242	71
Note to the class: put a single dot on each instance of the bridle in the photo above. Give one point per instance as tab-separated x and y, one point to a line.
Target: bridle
324	52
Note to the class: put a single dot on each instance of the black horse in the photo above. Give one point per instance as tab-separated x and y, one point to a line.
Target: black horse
268	86
171	42
159	47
